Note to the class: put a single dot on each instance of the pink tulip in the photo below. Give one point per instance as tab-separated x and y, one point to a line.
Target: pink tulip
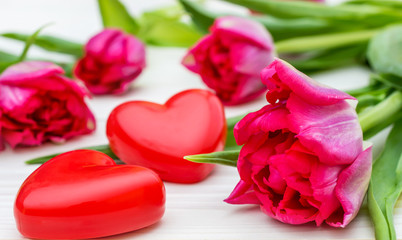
39	104
303	158
230	59
112	61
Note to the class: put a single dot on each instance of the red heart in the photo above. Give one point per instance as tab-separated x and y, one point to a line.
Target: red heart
158	136
84	194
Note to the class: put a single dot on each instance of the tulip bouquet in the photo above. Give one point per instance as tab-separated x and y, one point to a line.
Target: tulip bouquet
285	164
290	149
301	157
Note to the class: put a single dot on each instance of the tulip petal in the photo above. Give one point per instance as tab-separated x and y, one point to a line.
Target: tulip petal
23	137
120	73
197	54
276	181
248	88
268	119
242	194
29	70
301	161
37	76
242	29
351	188
12	97
323	183
332	132
290	209
115	52
135	52
300	84
295	168
249	59
96	45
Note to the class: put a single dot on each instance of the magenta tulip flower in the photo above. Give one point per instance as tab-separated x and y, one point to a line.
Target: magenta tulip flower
39	104
230	59
113	59
303	158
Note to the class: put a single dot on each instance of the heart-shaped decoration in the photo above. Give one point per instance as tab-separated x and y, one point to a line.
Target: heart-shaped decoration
84	194
159	136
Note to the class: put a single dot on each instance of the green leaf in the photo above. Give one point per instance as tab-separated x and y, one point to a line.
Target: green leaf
28	43
374	85
172	13
164	27
6	57
279	28
292	9
390	4
6	60
386	185
385	51
68	68
228	158
202	18
101	148
328	59
371	95
5	65
115	15
230	143
172	34
50	43
390	80
288	28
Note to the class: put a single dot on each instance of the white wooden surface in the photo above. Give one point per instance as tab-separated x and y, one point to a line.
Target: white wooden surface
193	211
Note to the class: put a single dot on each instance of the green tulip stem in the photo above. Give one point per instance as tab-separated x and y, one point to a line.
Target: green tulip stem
381	115
324	41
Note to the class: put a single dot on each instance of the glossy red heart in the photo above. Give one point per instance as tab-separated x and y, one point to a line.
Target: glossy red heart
158	136
84	194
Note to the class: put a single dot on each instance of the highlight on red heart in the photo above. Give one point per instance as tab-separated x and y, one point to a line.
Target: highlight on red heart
85	194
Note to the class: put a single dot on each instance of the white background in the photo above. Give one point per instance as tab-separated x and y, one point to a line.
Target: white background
193	211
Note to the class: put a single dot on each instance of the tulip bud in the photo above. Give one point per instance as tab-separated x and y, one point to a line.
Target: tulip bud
112	60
